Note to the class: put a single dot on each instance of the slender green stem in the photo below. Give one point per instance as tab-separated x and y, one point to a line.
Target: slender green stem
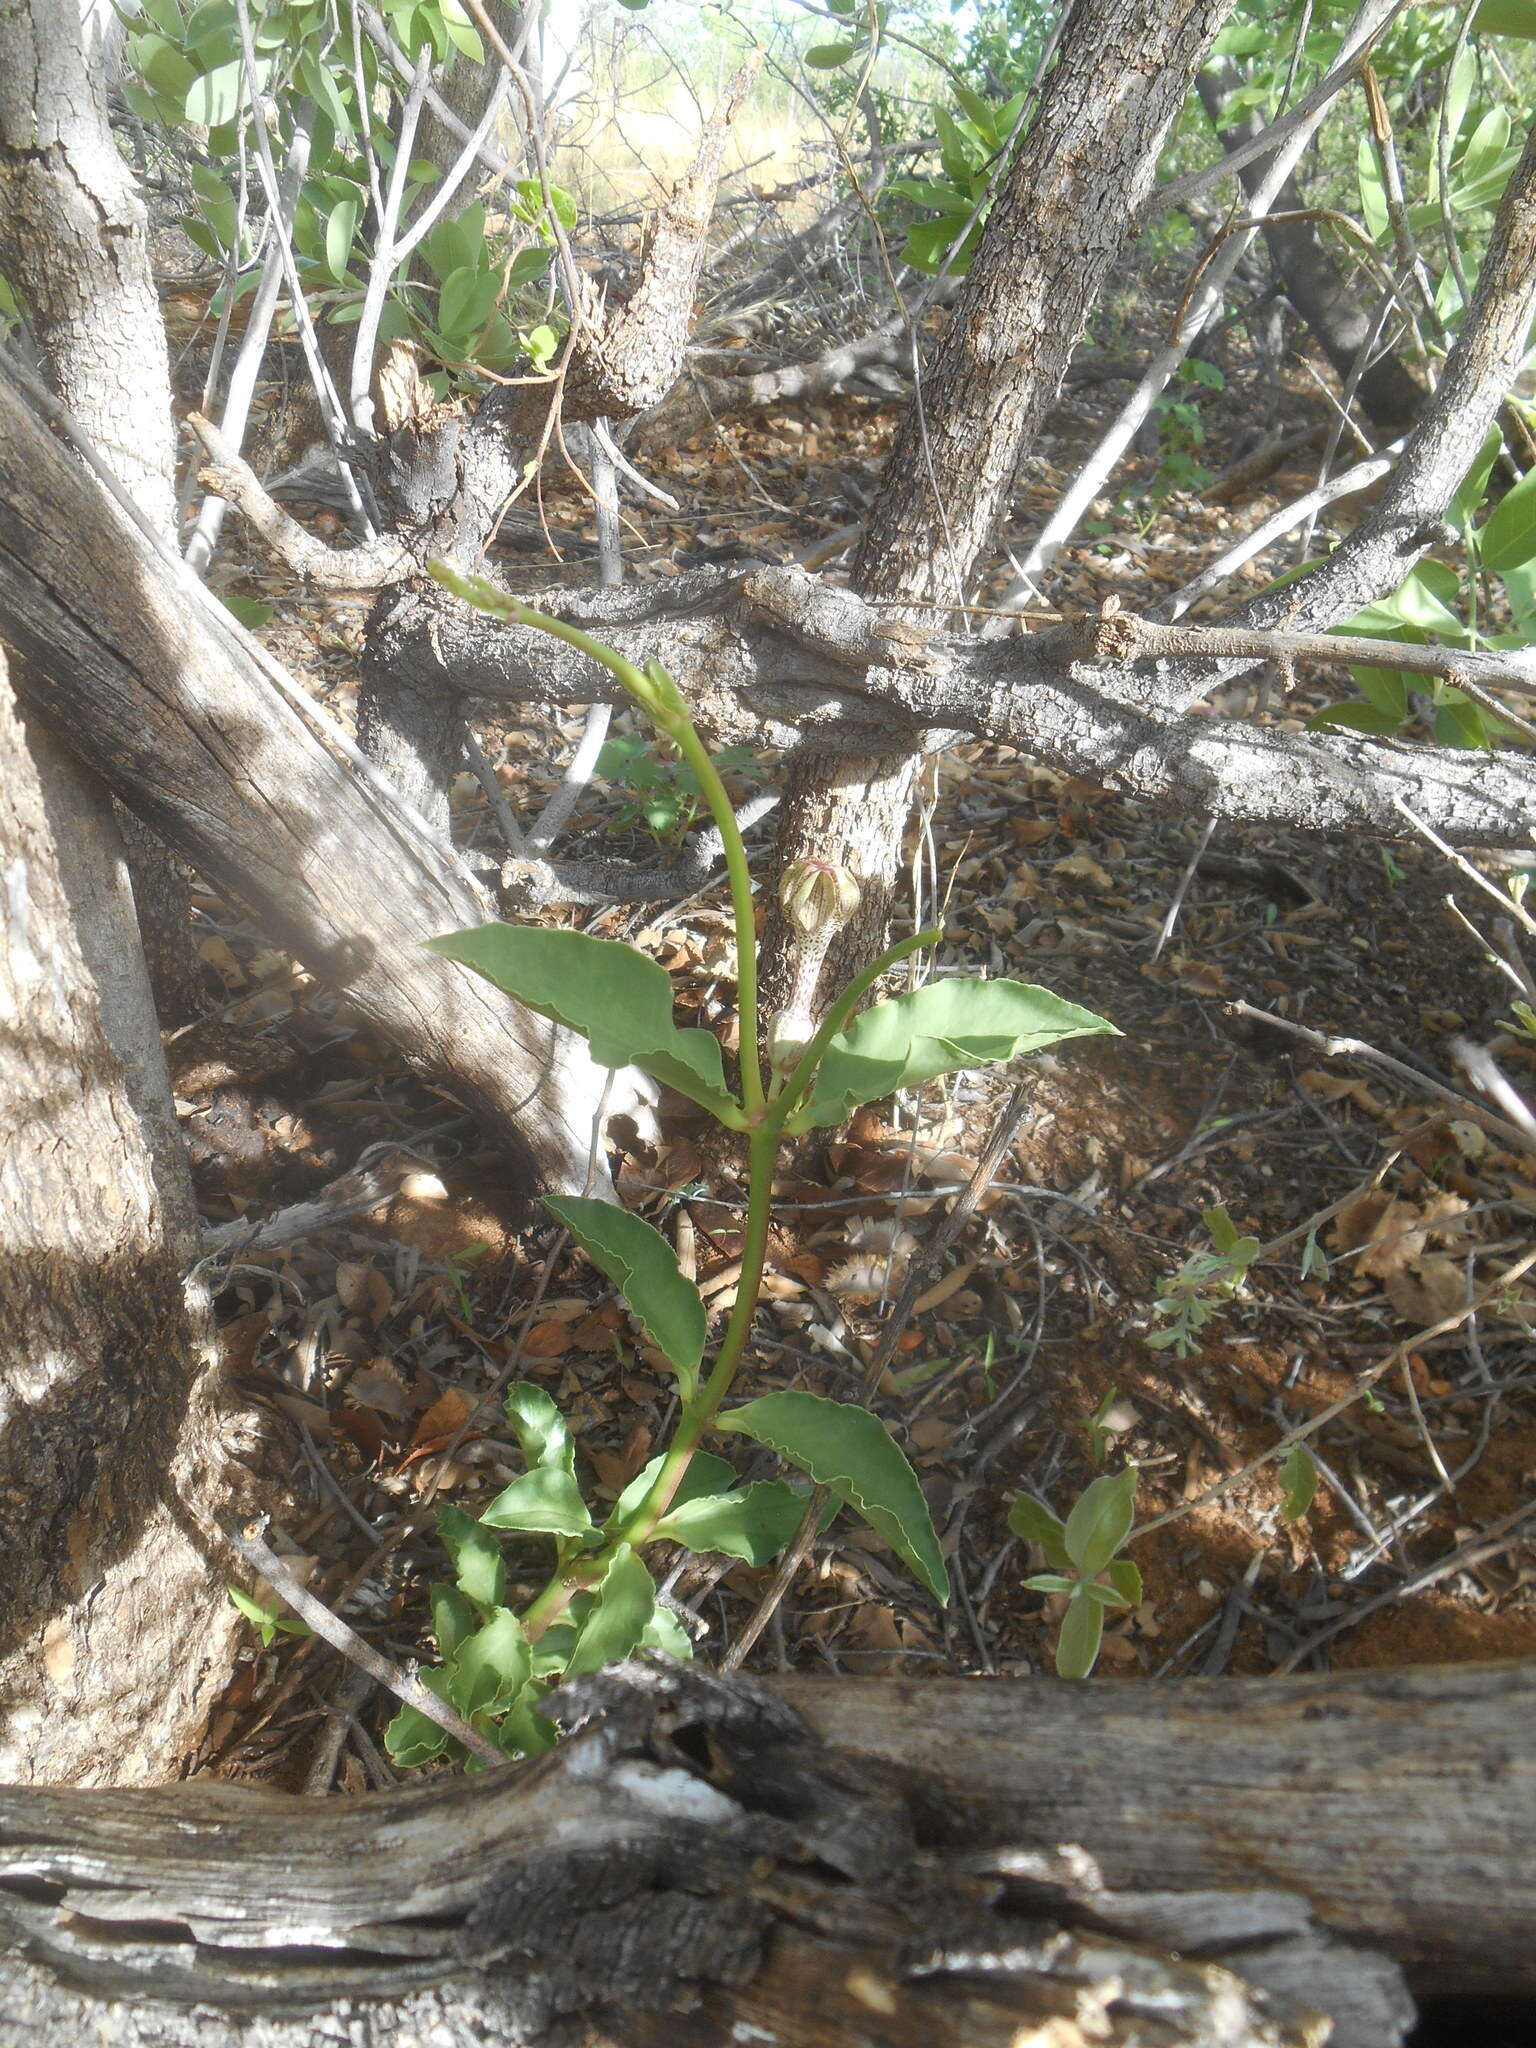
739	875
699	1413
837	1016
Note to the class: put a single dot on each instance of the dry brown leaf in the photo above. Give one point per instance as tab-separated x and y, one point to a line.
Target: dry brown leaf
549	1339
447	1415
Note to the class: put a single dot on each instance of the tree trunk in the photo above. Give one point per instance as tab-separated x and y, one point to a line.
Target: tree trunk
1066	209
74	245
115	1634
694	1845
1314	284
149	680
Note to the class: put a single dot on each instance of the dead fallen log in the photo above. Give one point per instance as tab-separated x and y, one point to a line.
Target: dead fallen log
143	677
1401	1804
696	1865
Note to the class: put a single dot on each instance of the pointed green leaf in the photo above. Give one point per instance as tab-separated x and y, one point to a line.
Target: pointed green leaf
666	1633
706	1474
1509	538
546	1501
411	1739
1299	1477
620	1002
828	56
478	1565
1101	1521
453	1619
1077	1646
643	1266
491	1667
754	1523
1051	1582
851	1451
539	1427
942	1029
1032	1521
626	1601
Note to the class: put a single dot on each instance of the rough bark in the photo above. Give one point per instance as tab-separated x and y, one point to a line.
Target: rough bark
692	1845
1334	317
115	1634
777	659
144	676
74	246
1066	209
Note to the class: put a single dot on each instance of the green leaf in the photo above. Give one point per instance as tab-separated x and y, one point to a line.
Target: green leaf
546	1501
217	96
466	302
1125	1579
754	1523
491	1667
1052	1582
271	1621
539	1427
411	1739
1299	1477
1506	18
1101	1520
666	1633
828	56
1489	144
944	1028
453	1619
1102	1595
1461	723
620	1002
1469	493
1077	1646
706	1474
247	610
339	231
1508	540
1032	1521
851	1451
478	1565
643	1266
1373	201
1354	717
626	1601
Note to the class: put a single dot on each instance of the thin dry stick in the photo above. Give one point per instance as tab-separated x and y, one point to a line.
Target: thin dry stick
1367	1380
248	1539
986	1172
1477	1550
1357	1049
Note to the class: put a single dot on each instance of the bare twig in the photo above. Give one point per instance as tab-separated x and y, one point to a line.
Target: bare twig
249	1539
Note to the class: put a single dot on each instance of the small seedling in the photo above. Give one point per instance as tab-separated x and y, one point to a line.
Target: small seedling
600	1603
1299	1476
268	1621
1084	1553
1196	1292
659	789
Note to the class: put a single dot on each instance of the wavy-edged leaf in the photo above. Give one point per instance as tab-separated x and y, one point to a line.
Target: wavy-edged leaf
412	1739
626	1601
753	1523
666	1633
478	1565
546	1501
643	1266
453	1619
619	1000
706	1474
850	1450
490	1668
539	1427
942	1029
1077	1646
1101	1520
